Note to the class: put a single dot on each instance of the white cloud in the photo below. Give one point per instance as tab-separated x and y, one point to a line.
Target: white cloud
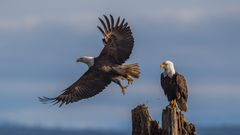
188	15
83	18
25	23
79	21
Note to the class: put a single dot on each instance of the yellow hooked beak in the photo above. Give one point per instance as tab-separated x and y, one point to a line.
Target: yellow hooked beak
162	65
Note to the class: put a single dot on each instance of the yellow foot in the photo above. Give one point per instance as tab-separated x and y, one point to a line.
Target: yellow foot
129	79
173	103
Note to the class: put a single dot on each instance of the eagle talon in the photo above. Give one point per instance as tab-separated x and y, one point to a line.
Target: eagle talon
123	89
129	80
173	103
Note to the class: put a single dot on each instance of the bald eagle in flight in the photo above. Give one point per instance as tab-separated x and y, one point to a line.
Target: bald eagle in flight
174	86
107	67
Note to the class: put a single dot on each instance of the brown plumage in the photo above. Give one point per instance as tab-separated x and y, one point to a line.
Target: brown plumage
174	85
118	41
107	67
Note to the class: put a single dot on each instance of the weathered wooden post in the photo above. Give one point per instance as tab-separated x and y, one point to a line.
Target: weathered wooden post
173	122
142	123
169	121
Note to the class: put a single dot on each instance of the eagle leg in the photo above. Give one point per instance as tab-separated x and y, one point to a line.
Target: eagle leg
173	103
127	72
117	81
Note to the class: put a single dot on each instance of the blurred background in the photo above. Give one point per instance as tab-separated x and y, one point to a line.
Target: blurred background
40	41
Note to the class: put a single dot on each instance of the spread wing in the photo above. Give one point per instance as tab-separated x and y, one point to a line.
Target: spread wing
117	39
182	86
90	84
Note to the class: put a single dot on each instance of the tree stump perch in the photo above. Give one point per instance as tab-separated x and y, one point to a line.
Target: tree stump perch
173	122
169	121
142	123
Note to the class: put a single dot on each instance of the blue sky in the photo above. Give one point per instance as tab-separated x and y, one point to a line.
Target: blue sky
40	41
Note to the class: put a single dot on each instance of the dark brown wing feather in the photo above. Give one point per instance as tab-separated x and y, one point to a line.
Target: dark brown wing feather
182	86
183	91
118	40
90	84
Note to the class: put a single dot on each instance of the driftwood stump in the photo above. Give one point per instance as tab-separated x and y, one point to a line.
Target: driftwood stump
173	122
142	123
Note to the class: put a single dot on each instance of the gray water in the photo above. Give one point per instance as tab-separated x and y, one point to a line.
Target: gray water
40	131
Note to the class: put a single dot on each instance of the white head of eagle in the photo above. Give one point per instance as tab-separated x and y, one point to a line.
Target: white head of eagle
87	60
168	67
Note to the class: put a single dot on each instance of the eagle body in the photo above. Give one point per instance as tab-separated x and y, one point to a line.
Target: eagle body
174	86
108	67
169	87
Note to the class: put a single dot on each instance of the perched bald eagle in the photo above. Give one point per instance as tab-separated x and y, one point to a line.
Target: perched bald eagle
107	67
174	86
